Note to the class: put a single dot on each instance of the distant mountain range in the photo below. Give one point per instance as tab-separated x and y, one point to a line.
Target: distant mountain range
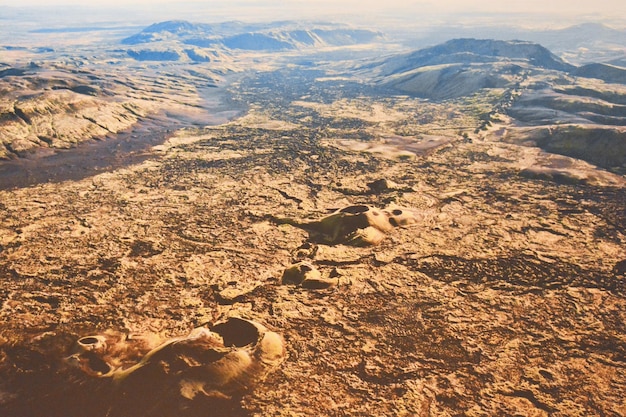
271	37
587	42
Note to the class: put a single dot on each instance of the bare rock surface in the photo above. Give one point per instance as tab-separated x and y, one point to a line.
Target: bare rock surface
504	297
503	294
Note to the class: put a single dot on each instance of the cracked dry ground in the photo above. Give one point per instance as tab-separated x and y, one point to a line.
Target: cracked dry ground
506	298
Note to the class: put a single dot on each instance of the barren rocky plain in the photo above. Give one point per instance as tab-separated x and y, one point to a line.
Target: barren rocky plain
250	188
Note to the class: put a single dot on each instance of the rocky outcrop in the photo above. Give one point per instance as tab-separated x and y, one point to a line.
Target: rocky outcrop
306	275
220	361
357	225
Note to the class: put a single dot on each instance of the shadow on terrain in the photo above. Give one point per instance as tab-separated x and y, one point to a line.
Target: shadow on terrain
37	383
89	158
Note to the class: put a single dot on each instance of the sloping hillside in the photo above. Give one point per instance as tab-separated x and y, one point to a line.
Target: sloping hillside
530	85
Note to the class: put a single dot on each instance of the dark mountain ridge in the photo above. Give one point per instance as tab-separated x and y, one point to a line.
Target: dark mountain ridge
470	50
605	72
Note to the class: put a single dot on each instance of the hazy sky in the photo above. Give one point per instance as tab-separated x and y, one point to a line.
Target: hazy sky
551	6
203	10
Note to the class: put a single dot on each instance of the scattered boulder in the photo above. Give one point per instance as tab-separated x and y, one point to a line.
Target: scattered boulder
381	186
306	275
357	225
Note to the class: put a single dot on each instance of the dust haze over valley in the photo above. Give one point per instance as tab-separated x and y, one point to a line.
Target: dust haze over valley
312	209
